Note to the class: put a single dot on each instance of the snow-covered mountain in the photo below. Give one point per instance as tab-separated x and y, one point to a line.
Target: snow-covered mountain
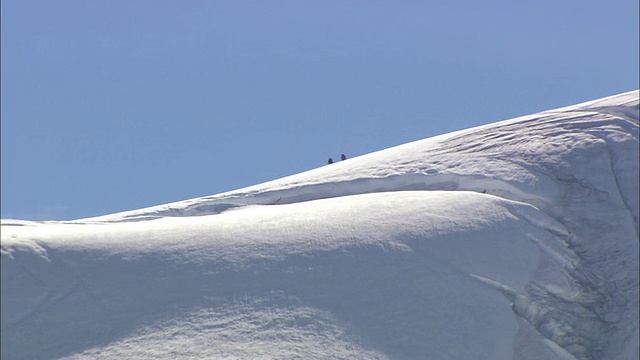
514	240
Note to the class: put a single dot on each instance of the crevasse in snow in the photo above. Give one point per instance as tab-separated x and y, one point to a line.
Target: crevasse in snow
517	239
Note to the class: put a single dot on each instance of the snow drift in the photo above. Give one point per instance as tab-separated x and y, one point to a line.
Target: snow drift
514	240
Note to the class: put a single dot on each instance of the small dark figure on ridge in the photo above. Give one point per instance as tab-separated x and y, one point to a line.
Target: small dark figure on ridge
330	161
343	157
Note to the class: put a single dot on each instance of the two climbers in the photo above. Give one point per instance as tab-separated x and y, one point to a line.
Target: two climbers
342	157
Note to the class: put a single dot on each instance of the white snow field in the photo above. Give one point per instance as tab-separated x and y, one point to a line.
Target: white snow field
514	240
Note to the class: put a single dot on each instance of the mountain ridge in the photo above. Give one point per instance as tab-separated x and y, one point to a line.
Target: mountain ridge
622	110
516	239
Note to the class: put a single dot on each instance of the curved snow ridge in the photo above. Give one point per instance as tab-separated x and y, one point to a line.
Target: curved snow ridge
310	192
383	265
507	158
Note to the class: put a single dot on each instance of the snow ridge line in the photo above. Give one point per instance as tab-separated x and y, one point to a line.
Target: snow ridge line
304	193
622	106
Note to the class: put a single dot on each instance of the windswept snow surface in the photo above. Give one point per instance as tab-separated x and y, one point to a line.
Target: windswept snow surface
514	240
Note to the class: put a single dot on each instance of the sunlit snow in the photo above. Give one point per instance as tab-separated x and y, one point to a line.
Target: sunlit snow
513	240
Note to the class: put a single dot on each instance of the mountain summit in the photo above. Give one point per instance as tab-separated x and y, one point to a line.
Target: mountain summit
514	240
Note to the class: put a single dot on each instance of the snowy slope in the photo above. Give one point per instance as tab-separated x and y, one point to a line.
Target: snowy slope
518	239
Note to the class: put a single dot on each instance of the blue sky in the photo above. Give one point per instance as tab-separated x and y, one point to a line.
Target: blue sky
116	105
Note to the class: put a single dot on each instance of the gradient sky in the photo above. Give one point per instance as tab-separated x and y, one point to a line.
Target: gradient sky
117	105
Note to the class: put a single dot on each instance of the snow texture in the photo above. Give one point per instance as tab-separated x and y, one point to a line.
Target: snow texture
513	240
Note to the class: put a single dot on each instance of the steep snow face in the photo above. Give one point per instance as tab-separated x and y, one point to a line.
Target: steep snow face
517	239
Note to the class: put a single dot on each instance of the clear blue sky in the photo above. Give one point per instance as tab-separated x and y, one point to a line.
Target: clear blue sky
116	105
